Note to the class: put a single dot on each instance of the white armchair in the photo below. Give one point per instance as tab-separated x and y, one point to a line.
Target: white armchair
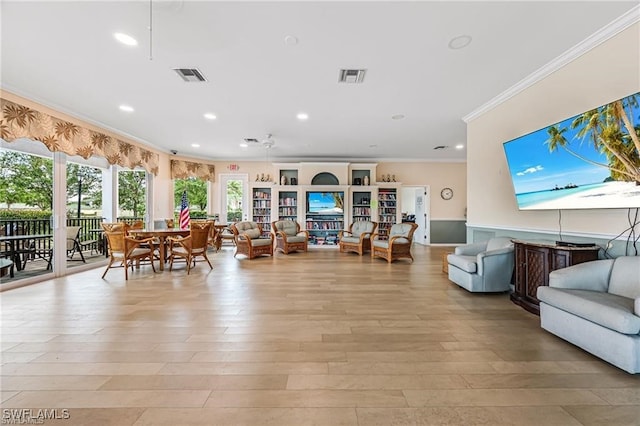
483	267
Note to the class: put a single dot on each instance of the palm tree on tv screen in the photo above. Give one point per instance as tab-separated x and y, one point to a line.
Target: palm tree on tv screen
611	130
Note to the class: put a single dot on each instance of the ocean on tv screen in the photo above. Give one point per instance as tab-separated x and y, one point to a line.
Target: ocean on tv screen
598	195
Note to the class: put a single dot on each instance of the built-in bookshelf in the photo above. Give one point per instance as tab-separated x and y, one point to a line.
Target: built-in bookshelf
387	211
323	229
361	206
288	205
261	209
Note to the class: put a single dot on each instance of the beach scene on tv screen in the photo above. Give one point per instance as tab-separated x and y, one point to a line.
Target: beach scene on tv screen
587	161
325	202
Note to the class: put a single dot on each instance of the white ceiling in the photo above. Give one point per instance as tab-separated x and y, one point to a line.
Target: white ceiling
63	54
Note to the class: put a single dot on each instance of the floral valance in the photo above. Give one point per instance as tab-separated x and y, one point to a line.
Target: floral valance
18	121
185	169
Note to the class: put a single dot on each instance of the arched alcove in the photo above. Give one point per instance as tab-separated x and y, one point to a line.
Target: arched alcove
325	178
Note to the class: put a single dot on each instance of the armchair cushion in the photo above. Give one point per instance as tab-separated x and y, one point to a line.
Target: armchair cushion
260	242
593	276
636	306
249	230
610	310
360	227
466	263
296	239
401	230
289	227
351	240
470	249
251	233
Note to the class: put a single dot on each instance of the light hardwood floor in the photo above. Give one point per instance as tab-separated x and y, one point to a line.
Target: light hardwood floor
310	338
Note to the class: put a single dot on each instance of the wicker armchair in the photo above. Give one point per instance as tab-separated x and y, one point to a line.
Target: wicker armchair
358	237
397	246
289	237
125	250
190	247
248	242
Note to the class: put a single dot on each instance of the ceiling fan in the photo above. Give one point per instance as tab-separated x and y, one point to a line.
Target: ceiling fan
267	142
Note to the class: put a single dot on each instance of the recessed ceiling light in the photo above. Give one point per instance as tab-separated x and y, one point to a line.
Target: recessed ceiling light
291	40
126	39
195	145
244	145
459	146
302	116
459	42
210	116
126	108
397	117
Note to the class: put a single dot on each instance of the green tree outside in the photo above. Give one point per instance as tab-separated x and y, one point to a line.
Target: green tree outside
234	201
132	189
91	182
196	192
26	179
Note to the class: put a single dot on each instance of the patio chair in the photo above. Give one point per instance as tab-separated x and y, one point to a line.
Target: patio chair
73	243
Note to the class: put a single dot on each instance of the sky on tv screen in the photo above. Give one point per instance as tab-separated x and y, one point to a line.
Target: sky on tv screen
533	168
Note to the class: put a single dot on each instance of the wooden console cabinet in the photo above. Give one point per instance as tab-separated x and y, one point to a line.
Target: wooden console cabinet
534	260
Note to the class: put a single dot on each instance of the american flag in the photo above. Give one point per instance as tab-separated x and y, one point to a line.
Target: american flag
184	212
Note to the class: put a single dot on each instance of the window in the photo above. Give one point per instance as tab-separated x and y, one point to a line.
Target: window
196	195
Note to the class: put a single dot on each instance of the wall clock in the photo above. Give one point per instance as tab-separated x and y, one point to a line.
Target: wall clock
446	193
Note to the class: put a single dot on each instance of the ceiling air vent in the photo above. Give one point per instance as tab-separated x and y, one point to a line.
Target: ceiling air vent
351	76
190	74
440	147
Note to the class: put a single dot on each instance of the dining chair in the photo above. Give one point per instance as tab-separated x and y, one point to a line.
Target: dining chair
124	250
192	246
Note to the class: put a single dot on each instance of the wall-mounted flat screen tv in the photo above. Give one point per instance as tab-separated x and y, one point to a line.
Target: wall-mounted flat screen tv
325	202
589	161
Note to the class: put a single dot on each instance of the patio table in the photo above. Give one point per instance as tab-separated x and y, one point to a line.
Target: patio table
16	245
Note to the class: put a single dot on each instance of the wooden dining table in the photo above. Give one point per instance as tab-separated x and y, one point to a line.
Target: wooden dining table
161	235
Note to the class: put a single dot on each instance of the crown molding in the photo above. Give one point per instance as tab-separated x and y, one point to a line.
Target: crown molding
618	25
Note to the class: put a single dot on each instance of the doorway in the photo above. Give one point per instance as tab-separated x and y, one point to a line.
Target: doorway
233	197
415	207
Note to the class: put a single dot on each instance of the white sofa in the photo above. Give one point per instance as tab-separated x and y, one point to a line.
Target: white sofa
596	306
